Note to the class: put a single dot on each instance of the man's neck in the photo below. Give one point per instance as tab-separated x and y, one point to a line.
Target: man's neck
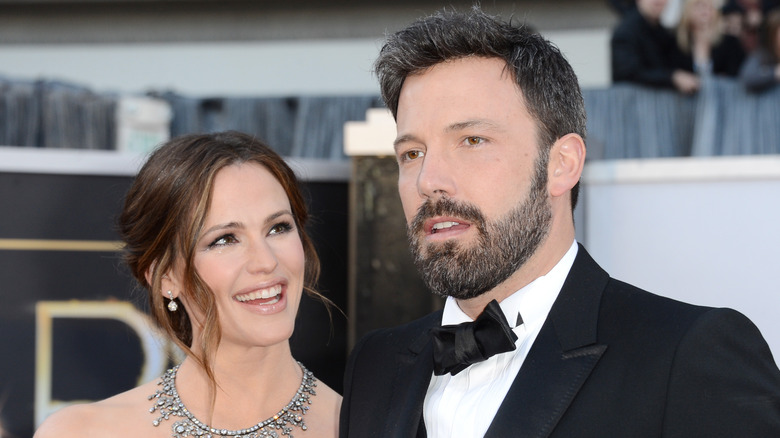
537	266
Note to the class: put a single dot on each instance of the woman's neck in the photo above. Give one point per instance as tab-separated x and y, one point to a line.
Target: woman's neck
251	385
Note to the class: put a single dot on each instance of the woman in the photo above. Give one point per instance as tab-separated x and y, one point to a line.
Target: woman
213	227
762	68
705	48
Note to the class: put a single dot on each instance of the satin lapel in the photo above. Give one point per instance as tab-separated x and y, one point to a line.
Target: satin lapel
414	369
543	389
561	359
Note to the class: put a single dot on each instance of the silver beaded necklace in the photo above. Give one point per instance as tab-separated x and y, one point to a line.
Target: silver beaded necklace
169	404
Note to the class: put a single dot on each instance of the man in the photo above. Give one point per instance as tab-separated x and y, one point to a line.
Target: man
490	149
644	52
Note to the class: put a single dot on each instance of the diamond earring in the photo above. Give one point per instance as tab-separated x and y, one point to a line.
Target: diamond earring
172	306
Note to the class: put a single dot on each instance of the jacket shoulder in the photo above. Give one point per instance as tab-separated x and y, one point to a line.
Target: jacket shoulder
632	307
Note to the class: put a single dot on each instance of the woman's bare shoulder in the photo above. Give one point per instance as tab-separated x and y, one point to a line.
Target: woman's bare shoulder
125	414
69	421
323	416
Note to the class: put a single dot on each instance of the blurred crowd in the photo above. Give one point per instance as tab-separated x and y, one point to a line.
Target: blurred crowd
680	43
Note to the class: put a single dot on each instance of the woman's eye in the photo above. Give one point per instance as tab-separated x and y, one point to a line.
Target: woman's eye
281	228
227	239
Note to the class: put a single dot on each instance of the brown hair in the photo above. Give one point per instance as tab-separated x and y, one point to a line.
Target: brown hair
165	210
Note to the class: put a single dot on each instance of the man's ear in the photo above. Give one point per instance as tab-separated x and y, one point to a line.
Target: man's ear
567	159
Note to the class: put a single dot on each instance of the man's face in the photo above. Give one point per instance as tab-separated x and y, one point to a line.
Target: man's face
472	187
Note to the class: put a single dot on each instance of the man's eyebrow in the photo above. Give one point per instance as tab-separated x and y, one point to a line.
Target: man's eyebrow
455	127
458	126
403	139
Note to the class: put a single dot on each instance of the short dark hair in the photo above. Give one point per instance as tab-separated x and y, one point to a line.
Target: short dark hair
547	81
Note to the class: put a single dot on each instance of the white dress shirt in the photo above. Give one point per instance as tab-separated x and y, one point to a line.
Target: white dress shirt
464	405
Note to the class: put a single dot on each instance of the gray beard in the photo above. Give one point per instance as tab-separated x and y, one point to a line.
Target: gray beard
502	247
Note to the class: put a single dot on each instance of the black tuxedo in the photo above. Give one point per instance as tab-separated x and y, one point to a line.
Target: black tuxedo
611	360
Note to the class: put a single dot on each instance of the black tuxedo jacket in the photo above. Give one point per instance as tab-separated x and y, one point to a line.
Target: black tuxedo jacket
611	360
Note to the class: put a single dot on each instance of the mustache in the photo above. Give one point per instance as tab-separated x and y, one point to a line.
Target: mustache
446	207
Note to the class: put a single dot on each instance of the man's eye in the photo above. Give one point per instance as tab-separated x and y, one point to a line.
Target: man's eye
412	155
473	141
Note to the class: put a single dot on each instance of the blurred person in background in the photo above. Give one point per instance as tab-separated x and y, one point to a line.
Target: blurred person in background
761	70
754	19
644	52
754	23
213	227
705	47
733	18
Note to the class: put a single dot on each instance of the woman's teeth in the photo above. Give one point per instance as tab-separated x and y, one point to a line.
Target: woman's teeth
263	294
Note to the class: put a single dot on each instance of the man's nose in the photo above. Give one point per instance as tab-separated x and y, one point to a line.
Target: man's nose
436	177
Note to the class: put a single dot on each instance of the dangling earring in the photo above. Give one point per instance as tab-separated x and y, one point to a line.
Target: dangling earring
172	306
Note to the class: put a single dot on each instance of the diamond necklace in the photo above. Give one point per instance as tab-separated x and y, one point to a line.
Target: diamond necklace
169	404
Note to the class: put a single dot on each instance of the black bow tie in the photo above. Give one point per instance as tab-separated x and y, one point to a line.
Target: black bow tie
455	347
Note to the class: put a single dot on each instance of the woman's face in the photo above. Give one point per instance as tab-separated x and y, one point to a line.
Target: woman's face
702	12
250	254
